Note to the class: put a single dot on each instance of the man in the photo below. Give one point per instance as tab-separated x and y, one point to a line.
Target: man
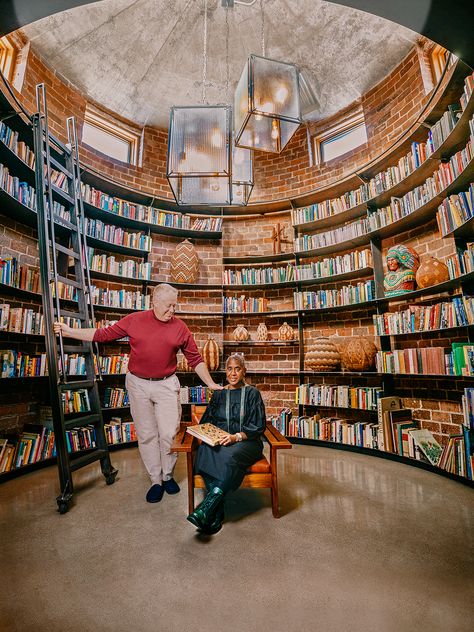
153	388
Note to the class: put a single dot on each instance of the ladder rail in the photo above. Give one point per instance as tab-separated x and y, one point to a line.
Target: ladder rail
44	142
82	233
53	258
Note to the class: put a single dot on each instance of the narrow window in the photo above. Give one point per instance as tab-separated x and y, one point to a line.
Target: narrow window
110	137
340	139
7	58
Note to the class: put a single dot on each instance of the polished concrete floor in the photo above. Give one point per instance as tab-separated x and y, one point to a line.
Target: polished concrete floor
364	545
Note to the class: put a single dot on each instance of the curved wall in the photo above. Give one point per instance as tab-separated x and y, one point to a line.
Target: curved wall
389	109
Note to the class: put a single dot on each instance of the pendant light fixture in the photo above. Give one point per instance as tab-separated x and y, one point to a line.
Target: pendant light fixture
267	109
242	159
199	161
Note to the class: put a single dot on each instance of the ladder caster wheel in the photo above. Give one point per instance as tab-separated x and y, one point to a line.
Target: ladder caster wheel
110	479
63	507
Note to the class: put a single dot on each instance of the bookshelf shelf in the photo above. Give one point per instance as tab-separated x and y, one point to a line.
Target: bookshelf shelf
381	454
116	248
261	343
284	256
464	231
352	274
260	314
31	467
113	218
336	218
426	331
365	410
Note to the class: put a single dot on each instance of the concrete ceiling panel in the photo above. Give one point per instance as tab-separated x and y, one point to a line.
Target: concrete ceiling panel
139	57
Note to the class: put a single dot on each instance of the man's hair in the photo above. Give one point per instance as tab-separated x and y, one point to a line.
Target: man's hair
239	358
162	290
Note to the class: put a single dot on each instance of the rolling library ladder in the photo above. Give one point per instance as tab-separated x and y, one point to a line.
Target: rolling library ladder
60	240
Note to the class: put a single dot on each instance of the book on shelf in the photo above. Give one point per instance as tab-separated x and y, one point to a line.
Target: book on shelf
209	433
427	444
385	405
400	421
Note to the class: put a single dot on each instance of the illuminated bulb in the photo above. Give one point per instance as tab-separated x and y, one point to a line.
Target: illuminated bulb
258	117
216	139
281	94
275	130
267	107
238	157
238	192
257	139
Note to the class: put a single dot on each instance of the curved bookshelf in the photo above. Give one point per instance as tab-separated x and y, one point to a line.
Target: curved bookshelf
260	343
31	467
339	218
266	314
352	274
120	220
362	304
455	140
366	410
425	331
423	213
95	242
464	231
391	456
284	256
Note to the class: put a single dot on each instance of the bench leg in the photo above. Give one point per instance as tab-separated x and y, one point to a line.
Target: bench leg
189	465
273	460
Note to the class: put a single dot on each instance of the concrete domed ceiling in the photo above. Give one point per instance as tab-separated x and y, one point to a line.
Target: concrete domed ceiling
139	57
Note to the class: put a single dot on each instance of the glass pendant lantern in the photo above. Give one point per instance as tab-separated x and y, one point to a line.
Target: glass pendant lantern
267	109
199	161
242	175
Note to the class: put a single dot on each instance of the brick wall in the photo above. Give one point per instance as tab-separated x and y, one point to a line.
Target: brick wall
389	109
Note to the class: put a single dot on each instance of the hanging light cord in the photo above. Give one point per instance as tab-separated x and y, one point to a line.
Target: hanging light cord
204	55
227	72
262	21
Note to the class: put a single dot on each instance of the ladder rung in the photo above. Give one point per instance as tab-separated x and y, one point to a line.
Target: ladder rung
85	459
80	422
68	314
67	281
57	165
66	386
62	193
67	251
76	349
64	222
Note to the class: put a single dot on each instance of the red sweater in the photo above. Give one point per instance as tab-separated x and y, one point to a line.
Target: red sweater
153	343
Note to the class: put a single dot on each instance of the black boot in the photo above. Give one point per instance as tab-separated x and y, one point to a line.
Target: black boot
205	513
216	525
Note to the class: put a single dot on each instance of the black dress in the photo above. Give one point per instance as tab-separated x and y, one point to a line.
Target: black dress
227	465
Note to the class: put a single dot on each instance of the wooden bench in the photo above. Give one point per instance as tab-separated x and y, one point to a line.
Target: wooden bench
262	474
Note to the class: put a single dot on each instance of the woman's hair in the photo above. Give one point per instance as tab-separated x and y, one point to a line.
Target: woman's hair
237	357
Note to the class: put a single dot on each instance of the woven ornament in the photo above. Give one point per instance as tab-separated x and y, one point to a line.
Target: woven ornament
431	272
262	332
286	332
211	354
184	263
322	355
240	333
358	354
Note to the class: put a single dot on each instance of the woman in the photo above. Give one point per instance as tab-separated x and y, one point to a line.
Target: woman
238	409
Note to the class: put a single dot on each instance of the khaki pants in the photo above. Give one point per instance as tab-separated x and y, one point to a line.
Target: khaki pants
156	412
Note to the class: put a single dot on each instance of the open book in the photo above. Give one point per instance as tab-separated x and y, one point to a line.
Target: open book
209	433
